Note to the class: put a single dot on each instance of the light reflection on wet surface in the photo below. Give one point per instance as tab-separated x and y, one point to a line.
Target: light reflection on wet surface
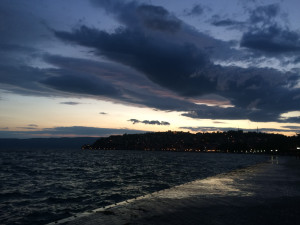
213	186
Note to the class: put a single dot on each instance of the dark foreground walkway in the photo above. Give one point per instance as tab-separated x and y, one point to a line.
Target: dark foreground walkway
264	194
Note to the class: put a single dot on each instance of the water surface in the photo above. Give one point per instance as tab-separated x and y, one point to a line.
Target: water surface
41	186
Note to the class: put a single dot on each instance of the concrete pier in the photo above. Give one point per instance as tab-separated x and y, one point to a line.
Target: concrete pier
264	194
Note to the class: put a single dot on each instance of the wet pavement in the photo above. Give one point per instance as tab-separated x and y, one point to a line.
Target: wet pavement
264	194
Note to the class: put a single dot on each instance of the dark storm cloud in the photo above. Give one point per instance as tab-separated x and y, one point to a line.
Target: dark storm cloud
159	101
263	112
80	84
292	120
168	64
158	18
12	55
175	64
53	82
233	113
150	122
23	80
257	94
156	22
81	77
158	61
69	76
141	16
267	35
136	89
272	39
210	112
19	26
266	30
184	68
108	71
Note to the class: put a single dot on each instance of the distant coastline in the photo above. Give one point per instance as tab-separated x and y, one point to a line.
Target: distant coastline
230	141
45	143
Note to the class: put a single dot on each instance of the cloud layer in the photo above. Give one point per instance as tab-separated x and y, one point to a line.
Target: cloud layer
155	59
180	66
150	122
267	35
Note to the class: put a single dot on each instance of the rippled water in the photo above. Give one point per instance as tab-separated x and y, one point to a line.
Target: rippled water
41	186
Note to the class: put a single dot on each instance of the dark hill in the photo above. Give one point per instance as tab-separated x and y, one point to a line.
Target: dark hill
230	141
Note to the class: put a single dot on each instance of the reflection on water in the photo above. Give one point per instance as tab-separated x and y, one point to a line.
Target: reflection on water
219	186
212	186
42	186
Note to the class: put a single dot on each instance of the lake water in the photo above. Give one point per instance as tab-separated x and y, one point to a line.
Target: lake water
41	186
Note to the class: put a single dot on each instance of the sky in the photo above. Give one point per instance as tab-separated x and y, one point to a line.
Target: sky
73	68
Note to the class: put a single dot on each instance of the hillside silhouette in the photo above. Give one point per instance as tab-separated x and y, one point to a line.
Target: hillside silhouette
230	141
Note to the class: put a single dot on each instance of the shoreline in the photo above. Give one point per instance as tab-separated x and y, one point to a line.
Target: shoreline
266	193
